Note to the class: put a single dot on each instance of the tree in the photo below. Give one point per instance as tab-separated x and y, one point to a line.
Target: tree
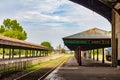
11	28
63	50
47	44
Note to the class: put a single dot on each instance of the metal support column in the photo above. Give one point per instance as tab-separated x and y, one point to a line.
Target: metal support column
40	53
43	53
93	54
103	60
9	53
90	54
32	53
79	56
19	53
26	53
12	53
36	53
3	56
97	54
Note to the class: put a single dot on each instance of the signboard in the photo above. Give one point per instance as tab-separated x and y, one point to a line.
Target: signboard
87	42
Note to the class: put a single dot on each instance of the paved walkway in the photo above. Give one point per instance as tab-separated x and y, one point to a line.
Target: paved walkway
90	70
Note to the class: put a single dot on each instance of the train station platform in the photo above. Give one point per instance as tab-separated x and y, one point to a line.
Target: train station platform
90	70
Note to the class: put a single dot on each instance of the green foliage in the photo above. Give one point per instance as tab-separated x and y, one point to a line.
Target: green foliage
63	50
47	44
11	28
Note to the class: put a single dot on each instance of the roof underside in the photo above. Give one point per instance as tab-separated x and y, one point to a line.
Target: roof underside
84	48
102	7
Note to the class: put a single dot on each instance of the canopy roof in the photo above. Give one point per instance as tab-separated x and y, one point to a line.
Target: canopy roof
15	43
91	34
90	39
102	7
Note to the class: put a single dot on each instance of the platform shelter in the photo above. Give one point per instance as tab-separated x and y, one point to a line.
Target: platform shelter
88	40
109	9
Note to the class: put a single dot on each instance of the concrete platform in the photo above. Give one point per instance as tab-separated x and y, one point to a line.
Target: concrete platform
90	70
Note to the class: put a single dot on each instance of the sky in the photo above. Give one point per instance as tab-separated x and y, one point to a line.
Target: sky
51	20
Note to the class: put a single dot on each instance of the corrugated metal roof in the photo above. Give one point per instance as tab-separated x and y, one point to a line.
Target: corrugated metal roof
91	33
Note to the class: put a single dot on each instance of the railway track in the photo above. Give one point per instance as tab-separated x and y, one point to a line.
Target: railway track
41	73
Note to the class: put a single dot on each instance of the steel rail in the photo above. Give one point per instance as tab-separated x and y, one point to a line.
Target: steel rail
44	75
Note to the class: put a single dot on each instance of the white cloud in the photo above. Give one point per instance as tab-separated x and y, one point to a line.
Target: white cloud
51	19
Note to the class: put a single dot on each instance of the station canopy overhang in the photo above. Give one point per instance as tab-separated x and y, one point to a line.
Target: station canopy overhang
90	39
6	42
102	7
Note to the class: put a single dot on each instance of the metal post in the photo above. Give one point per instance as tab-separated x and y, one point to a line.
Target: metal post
3	54
103	61
93	54
40	53
97	55
89	54
47	52
12	53
36	53
79	56
26	53
32	53
9	54
19	53
43	53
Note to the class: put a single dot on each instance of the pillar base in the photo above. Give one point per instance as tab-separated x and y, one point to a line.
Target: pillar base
80	63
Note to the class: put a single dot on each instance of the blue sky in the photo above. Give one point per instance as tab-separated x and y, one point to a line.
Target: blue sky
51	20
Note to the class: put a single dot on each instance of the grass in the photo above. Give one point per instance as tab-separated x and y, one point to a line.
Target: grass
52	61
43	66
